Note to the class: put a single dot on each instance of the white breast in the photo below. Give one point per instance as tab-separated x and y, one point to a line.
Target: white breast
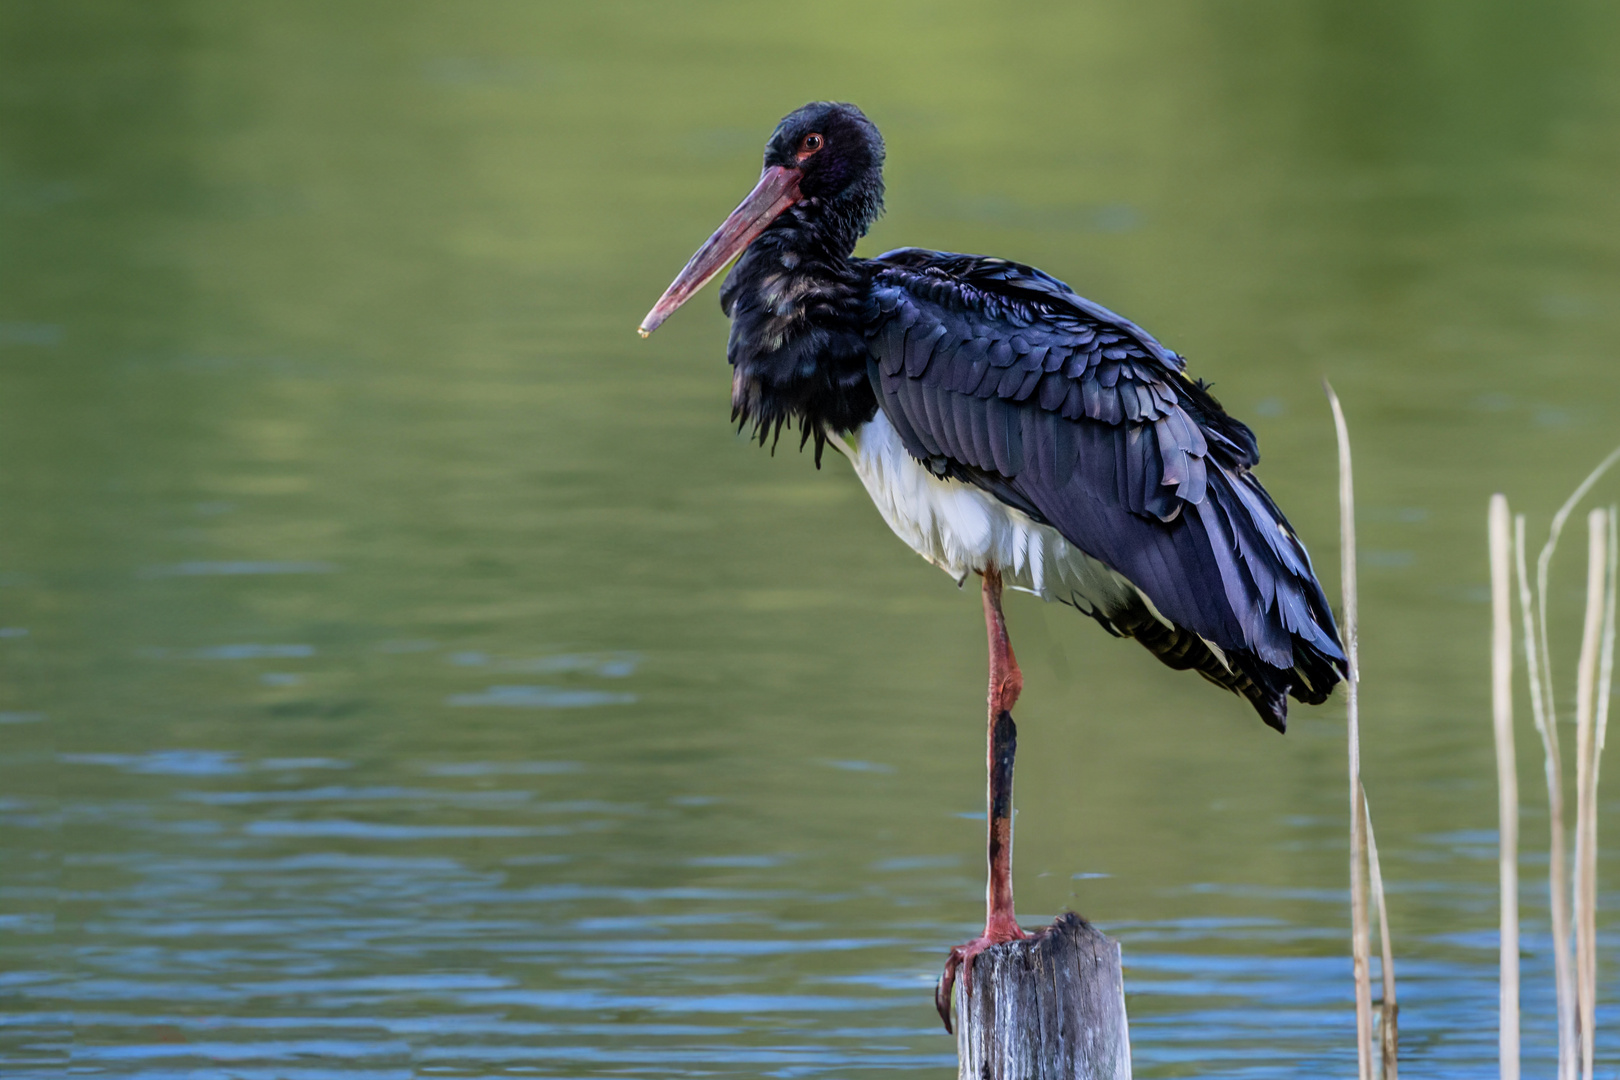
961	529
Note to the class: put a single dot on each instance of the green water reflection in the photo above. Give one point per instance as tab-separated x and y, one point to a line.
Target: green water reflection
406	668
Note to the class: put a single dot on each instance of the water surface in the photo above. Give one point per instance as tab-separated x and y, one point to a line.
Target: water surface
408	671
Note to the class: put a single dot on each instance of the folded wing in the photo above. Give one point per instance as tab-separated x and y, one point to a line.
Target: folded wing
997	374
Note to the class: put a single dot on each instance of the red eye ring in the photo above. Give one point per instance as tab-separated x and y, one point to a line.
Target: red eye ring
810	144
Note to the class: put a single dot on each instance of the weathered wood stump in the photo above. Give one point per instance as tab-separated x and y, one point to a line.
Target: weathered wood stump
1049	1007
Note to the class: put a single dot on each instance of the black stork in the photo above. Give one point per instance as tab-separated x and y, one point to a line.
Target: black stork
1007	427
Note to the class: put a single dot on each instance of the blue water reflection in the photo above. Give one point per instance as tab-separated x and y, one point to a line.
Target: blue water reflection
233	955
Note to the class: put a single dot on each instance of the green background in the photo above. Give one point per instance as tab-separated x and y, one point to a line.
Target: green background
323	414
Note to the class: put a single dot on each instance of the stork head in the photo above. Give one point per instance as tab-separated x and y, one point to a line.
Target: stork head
826	154
837	152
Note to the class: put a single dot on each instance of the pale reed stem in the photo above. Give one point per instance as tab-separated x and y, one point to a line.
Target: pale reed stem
1389	1038
1606	665
1586	678
1563	969
1557	873
1507	783
1605	680
1360	932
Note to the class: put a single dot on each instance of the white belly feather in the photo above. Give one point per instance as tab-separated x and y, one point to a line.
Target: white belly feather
960	528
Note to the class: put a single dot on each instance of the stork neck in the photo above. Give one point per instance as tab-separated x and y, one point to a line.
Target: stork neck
799	275
798	301
820	234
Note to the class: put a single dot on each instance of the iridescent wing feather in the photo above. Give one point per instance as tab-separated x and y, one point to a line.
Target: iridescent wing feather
997	374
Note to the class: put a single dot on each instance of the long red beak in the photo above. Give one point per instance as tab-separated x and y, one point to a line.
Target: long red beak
778	189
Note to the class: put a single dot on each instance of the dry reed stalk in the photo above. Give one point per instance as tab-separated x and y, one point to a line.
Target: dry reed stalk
1507	783
1605	681
1544	561
1557	876
1586	689
1389	1036
1606	663
1360	934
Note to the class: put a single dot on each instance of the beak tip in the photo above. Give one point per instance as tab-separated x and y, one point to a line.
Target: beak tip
653	321
778	189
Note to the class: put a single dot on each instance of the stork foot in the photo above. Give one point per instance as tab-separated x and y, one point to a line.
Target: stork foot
997	932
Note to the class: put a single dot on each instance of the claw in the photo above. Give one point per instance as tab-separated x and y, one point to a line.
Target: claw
942	989
961	958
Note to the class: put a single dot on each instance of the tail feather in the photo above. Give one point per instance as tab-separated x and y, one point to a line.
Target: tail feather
1181	649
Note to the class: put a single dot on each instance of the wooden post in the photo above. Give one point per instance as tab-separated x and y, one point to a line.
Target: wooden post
1048	1007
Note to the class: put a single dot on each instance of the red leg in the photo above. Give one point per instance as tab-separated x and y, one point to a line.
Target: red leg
1006	682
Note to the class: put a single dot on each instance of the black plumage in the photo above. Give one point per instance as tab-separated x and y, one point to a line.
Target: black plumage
997	375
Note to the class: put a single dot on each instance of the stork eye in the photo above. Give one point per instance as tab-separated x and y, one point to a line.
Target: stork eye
809	144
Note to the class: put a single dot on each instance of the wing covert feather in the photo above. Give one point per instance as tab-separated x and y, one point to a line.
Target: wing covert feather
996	374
